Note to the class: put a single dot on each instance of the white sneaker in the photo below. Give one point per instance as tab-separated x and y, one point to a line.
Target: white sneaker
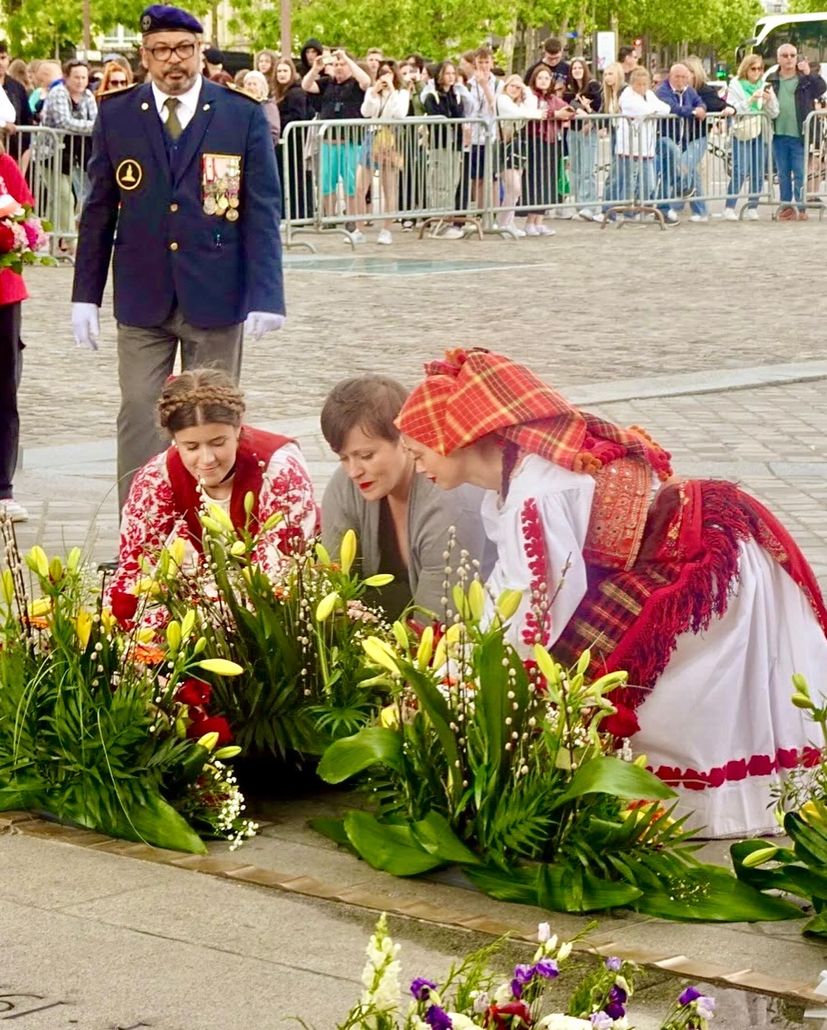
12	510
586	214
599	217
670	217
532	230
385	238
564	212
699	218
357	236
751	214
452	232
730	214
543	230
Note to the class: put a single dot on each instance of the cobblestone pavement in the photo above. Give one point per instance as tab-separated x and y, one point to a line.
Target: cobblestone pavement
607	315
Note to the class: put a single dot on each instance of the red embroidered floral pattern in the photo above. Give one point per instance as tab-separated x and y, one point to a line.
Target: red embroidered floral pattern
537	625
739	768
150	519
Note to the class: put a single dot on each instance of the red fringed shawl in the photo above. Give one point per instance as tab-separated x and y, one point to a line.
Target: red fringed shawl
255	449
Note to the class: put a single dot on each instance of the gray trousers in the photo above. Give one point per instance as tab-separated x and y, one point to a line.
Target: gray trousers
146	357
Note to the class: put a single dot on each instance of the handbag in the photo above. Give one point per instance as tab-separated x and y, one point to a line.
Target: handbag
384	147
747	127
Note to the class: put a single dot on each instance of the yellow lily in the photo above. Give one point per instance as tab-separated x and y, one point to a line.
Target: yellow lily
83	627
37	561
325	607
220	666
347	551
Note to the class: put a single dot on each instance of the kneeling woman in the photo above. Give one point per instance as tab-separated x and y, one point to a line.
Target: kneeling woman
214	459
693	587
403	523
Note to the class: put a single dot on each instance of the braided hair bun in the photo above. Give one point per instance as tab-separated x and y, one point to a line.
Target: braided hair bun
199	396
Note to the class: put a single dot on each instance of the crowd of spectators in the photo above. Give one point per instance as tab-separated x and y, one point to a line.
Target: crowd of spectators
522	143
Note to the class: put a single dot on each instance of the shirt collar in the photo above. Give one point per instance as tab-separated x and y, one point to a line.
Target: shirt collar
188	99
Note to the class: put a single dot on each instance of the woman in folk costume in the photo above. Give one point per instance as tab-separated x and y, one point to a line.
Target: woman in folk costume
691	586
213	459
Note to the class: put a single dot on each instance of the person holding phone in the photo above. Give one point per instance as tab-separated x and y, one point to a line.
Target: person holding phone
543	151
748	95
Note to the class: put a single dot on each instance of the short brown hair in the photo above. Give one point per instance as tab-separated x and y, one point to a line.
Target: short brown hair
371	402
483	54
199	396
552	45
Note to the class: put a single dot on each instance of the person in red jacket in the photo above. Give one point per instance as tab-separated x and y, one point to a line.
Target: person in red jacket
12	294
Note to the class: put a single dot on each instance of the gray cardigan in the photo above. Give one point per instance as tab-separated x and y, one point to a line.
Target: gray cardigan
431	512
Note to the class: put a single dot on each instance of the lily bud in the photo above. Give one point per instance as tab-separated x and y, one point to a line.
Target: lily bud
802	701
216	512
583	662
546	664
800	683
230	751
145	635
55	569
426	647
208	741
249	503
759	856
210	524
441	653
347	551
325	607
565	950
178	551
38	562
180	727
272	521
476	599
381	579
322	554
507	604
454	632
200	644
401	635
460	601
811	814
7	586
83	627
73	559
220	666
187	623
238	548
174	636
41	606
381	654
389	717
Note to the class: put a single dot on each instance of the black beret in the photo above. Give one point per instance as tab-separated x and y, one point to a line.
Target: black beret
161	18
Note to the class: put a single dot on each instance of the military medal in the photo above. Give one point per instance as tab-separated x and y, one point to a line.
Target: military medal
232	214
221	185
210	206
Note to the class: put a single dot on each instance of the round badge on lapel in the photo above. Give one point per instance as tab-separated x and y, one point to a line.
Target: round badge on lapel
129	174
144	106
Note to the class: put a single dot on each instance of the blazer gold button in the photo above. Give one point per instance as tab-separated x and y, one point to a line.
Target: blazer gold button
173	246
173	208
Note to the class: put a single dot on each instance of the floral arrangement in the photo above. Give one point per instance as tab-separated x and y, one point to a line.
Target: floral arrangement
23	236
296	629
504	768
471	997
104	724
802	812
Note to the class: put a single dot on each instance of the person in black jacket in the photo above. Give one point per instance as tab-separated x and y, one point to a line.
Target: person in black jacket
294	106
582	92
19	143
696	145
445	97
797	90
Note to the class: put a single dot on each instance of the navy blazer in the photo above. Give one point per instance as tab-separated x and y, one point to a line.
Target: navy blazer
167	250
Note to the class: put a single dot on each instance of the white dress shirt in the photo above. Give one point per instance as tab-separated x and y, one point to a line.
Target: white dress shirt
188	102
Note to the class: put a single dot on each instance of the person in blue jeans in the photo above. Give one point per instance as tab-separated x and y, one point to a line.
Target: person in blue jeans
797	91
748	97
681	144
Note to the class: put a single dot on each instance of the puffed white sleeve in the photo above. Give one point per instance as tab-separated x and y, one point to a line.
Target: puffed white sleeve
540	540
287	489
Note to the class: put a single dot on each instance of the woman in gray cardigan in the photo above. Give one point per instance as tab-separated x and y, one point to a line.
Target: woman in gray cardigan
404	524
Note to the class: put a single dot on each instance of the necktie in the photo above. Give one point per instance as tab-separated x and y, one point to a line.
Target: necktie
173	126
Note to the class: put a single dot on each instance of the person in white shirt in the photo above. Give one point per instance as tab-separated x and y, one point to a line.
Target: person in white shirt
484	88
385	99
636	138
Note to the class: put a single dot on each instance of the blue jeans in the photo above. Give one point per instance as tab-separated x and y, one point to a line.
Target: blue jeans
635	181
668	161
747	163
583	166
788	154
691	172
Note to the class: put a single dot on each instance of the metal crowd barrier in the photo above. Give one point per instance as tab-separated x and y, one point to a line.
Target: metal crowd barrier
815	151
54	163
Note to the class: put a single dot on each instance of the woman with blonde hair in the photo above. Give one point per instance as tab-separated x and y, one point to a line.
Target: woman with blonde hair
515	101
256	84
696	148
613	84
748	95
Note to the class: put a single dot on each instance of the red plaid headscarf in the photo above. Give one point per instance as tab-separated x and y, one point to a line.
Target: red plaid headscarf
473	393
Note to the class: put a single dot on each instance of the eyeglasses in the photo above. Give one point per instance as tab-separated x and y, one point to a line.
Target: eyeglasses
118	82
163	52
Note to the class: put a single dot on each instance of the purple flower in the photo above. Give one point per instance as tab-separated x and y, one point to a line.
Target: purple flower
688	995
516	989
615	1010
705	1007
438	1019
614	964
523	974
617	994
547	968
421	988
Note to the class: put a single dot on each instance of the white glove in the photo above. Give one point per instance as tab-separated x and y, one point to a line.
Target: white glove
85	325
260	322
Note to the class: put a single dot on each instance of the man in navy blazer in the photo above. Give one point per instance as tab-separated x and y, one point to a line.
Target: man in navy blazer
183	187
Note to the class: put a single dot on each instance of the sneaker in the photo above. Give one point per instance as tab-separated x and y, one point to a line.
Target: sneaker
586	214
599	217
357	236
803	216
730	214
699	218
670	218
786	214
750	215
452	232
532	230
12	510
384	238
543	230
519	233
564	212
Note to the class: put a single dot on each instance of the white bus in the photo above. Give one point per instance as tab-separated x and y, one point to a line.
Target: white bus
807	31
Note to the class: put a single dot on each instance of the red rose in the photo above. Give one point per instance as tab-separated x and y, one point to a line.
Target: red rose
515	1015
623	723
213	724
124	606
6	238
195	693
